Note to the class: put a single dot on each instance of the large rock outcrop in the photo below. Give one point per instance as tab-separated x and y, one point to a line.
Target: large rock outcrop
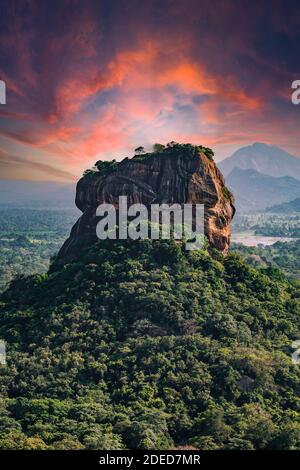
176	175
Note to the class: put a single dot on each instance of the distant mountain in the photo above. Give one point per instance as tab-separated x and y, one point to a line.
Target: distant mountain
292	206
36	193
257	191
263	158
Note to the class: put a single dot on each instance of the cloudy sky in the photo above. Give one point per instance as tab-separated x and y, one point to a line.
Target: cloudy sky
89	80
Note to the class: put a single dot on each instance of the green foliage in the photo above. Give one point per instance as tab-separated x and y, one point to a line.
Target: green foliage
172	144
206	150
158	147
90	172
139	150
280	256
175	146
105	167
226	193
141	344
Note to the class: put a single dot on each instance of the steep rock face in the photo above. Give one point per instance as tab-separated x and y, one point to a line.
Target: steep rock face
183	175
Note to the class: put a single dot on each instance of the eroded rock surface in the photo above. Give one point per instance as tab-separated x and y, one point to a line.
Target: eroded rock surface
182	175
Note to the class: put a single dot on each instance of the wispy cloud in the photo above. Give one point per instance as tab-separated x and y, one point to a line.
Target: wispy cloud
85	84
16	167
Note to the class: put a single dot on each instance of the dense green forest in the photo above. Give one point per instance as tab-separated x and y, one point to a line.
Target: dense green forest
142	344
28	239
283	255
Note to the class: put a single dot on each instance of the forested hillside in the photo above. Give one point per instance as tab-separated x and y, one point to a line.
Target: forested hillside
141	344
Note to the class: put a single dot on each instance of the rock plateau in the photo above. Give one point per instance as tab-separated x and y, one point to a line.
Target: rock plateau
180	174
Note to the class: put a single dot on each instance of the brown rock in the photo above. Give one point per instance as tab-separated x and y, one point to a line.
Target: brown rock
177	175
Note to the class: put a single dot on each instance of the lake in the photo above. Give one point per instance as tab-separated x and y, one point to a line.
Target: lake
249	239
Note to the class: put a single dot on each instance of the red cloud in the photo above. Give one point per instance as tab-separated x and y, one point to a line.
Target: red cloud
95	107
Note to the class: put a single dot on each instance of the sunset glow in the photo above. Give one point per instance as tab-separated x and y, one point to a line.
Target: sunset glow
92	80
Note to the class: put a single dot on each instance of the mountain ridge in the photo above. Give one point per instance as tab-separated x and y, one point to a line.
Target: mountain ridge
291	206
266	159
257	191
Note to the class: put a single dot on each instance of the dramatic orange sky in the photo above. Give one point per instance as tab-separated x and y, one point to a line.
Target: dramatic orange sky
90	80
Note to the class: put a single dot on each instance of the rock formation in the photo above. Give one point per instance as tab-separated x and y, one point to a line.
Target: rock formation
180	174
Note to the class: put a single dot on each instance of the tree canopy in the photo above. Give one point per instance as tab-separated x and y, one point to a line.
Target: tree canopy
140	344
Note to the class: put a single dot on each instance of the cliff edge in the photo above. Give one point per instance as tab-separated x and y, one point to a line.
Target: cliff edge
176	174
